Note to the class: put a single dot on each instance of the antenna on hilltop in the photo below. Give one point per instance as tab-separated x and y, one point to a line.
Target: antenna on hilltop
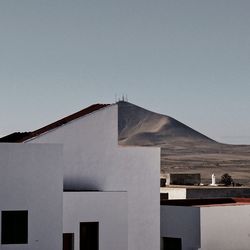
122	98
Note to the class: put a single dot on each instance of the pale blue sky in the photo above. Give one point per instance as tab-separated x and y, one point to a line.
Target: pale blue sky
187	59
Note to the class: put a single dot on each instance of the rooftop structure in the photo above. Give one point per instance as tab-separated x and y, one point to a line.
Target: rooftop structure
183	179
203	192
206	224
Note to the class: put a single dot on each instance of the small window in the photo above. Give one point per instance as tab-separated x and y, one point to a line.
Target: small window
14	227
68	241
171	243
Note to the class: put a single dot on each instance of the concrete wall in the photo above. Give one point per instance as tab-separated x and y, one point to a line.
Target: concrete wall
205	192
31	179
93	160
175	193
182	222
108	208
225	228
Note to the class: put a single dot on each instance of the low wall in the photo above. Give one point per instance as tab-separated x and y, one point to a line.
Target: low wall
183	179
220	192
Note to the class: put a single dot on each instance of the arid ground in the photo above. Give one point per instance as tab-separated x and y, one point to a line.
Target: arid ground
183	149
207	159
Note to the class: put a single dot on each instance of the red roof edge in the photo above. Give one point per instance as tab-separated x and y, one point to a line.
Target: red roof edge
204	202
64	120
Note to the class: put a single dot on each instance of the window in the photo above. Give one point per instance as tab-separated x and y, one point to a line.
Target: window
89	235
14	227
171	243
68	241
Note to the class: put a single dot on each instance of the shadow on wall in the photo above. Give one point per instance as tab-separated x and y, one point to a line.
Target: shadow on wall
80	184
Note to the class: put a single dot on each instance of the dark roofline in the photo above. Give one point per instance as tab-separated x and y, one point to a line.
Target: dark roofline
63	121
14	137
205	202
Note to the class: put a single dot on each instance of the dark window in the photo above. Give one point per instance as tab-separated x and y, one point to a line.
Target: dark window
171	243
68	241
89	236
14	227
164	196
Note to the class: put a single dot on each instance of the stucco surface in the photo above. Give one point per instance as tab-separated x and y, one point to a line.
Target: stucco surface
94	161
225	227
110	209
182	222
31	179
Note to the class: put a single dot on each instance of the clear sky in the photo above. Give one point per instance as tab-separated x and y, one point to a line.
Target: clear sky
187	59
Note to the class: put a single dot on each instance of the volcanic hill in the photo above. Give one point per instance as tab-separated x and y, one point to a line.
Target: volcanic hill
183	149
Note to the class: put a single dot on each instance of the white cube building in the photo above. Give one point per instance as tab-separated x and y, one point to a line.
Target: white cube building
205	224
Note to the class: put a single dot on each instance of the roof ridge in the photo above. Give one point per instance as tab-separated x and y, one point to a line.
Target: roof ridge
63	121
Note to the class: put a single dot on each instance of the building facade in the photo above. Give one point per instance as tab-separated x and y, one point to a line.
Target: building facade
93	160
31	196
205	224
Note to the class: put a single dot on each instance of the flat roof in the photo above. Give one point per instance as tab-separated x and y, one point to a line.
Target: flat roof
206	202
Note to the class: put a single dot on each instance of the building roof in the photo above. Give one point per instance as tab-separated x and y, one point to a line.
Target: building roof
15	137
206	202
21	137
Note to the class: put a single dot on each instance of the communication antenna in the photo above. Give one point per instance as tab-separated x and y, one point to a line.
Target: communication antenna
121	98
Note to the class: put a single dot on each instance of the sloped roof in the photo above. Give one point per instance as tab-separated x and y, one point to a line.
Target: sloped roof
15	137
21	137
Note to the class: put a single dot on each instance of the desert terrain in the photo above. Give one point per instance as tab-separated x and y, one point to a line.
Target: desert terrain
183	149
205	159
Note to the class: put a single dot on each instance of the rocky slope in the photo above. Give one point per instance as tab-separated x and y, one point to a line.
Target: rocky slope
138	126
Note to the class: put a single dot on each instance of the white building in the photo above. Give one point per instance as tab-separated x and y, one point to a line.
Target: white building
99	219
205	224
31	197
93	161
35	211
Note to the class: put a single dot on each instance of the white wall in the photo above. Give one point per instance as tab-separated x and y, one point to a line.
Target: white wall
31	179
93	160
175	193
181	222
222	227
225	227
108	208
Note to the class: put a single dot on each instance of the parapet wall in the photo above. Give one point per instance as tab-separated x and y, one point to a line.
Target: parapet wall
220	192
183	179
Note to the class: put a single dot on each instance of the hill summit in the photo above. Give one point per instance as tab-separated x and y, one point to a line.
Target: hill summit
138	126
